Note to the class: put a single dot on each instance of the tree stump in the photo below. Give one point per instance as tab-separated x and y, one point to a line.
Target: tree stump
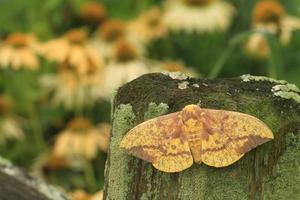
16	184
270	171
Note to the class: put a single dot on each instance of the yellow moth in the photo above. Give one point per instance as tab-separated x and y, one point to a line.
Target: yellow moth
215	137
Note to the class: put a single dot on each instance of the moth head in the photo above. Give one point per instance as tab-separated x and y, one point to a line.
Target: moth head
191	111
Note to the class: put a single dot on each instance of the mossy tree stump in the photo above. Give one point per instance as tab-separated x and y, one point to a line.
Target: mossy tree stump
270	171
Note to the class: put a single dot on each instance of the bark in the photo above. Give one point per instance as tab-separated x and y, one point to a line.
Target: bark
15	184
270	171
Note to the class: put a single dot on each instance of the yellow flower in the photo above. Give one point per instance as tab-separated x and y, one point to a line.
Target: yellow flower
148	26
72	49
104	129
257	46
198	15
82	195
288	25
19	51
92	12
79	139
173	66
10	129
71	89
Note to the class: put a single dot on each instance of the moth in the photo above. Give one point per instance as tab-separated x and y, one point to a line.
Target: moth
217	138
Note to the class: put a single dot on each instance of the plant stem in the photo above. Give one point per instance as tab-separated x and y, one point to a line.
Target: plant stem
220	63
36	127
90	175
233	43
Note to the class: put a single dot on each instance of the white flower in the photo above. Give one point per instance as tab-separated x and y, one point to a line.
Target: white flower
147	26
10	129
271	17
71	90
19	51
115	74
257	45
73	50
81	139
288	25
213	16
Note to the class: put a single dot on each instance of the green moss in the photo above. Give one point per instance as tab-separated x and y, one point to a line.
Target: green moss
123	120
155	110
193	183
218	101
284	184
227	184
265	112
248	77
210	183
148	193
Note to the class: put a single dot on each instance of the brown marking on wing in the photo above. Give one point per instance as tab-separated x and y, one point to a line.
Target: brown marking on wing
250	143
230	135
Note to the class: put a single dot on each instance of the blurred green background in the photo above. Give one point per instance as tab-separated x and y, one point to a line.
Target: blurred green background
207	54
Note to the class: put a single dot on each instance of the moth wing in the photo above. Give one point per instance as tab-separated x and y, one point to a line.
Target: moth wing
160	142
229	135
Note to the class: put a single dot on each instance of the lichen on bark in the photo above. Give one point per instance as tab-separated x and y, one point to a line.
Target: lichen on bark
116	188
155	110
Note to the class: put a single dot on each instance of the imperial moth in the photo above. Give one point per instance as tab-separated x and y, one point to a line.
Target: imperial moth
217	138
